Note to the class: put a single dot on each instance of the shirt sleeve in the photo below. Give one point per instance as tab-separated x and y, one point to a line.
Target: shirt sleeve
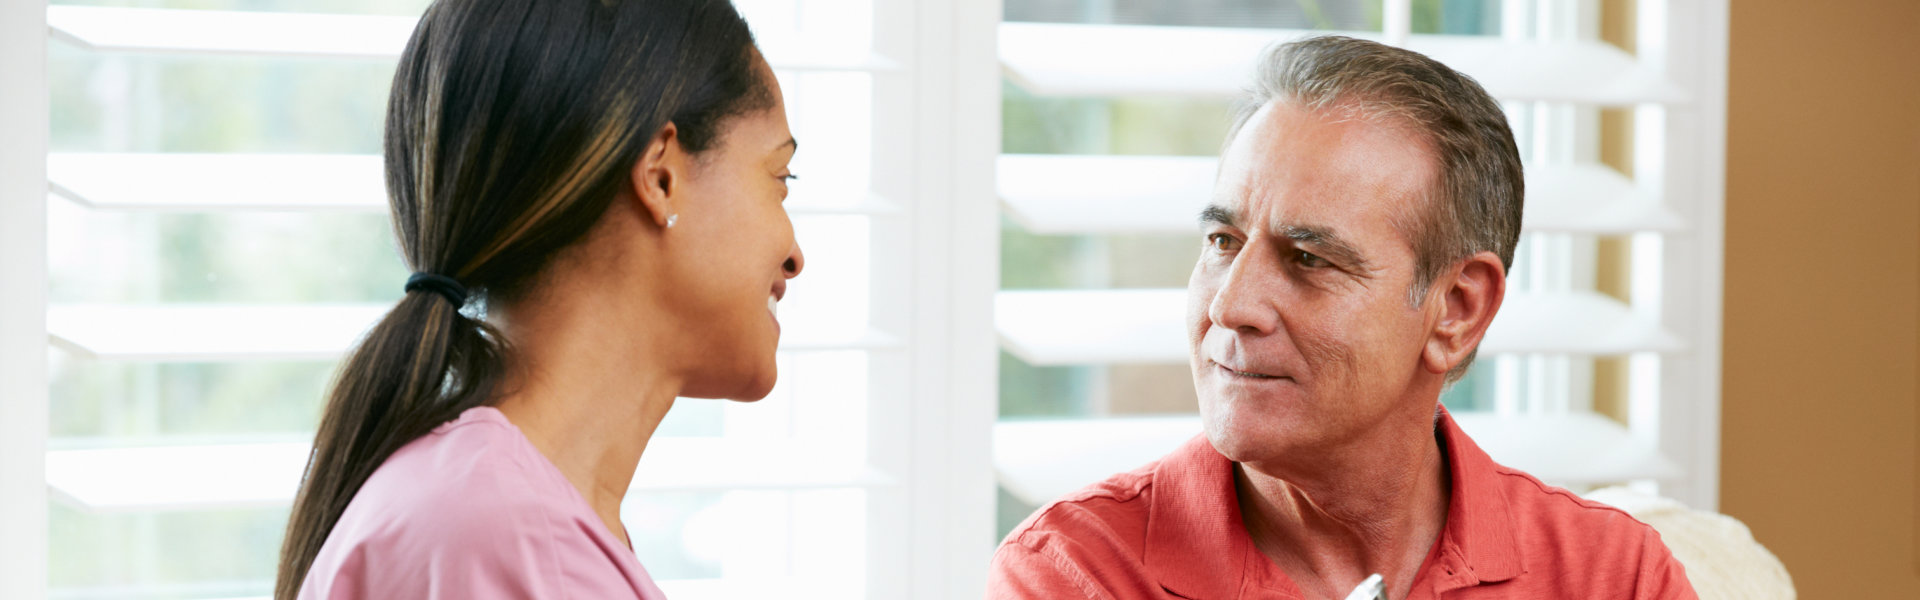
1022	573
484	567
1662	577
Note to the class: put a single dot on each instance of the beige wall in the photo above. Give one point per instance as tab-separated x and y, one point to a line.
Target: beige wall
1818	447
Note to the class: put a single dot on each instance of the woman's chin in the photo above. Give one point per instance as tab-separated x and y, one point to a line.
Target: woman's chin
740	385
756	395
760	385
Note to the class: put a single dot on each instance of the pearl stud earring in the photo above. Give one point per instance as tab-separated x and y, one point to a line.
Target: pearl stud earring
671	219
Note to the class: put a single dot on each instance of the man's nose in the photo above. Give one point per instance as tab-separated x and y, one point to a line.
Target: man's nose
1244	298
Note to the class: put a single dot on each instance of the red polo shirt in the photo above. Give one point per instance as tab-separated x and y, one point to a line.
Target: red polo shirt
1172	529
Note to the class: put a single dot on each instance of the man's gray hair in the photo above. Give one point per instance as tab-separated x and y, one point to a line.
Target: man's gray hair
1475	205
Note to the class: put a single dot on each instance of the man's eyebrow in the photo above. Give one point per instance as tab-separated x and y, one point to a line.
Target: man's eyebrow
1215	213
1324	242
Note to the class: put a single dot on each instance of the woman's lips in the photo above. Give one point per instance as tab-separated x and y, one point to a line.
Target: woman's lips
773	299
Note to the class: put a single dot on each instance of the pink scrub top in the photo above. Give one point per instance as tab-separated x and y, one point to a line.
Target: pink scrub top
473	511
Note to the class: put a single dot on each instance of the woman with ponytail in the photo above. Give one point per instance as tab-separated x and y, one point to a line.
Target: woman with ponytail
589	193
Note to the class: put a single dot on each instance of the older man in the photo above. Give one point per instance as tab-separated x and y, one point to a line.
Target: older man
1356	248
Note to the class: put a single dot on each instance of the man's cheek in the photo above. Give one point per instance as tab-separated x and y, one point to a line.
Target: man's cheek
1199	299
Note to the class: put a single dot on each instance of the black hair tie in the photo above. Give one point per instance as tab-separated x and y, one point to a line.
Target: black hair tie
439	284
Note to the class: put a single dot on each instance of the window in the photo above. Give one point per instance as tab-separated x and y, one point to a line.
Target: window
167	327
212	232
1601	365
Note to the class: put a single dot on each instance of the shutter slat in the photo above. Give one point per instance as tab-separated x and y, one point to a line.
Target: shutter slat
267	475
219	182
1094	194
183	182
1074	194
210	333
1131	60
1038	461
1086	327
240	33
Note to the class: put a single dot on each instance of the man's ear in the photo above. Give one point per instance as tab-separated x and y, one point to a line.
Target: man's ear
1468	302
658	175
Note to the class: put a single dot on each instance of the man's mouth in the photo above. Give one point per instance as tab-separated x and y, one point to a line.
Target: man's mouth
1248	374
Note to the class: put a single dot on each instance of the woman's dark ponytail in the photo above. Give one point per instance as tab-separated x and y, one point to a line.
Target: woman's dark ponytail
510	126
420	366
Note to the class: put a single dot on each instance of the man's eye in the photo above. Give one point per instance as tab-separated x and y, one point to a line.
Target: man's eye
1311	260
1221	242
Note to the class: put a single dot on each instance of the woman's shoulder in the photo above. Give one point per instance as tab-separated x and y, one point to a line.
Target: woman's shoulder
472	502
473	476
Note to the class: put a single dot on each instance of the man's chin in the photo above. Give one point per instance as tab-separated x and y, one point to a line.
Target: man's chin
1245	427
1238	441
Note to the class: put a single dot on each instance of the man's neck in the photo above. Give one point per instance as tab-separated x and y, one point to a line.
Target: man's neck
1329	525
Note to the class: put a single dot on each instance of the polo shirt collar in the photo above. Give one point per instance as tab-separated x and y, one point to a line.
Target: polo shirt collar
1479	542
1194	512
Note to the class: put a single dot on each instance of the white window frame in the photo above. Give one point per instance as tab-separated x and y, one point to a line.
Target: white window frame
1686	40
954	247
23	299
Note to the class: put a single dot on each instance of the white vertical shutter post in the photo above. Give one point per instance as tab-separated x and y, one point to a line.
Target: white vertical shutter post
1688	42
954	246
1396	20
23	300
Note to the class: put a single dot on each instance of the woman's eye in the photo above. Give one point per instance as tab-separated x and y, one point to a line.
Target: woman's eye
789	177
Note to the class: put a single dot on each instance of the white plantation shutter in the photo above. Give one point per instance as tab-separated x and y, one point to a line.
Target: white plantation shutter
1069	327
840	484
23	296
1119	60
1065	194
1551	73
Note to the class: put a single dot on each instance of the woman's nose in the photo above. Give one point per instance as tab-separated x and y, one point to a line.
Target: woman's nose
795	262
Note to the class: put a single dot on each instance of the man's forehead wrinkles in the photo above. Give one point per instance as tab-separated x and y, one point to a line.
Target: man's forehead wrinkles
1235	203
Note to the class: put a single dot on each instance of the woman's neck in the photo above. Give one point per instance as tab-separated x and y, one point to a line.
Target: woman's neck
587	399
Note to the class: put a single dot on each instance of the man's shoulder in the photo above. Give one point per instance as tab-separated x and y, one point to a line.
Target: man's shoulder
1540	507
1560	531
1090	543
1586	546
1113	510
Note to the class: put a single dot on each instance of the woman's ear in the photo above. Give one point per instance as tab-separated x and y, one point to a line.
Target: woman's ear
1468	303
658	175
